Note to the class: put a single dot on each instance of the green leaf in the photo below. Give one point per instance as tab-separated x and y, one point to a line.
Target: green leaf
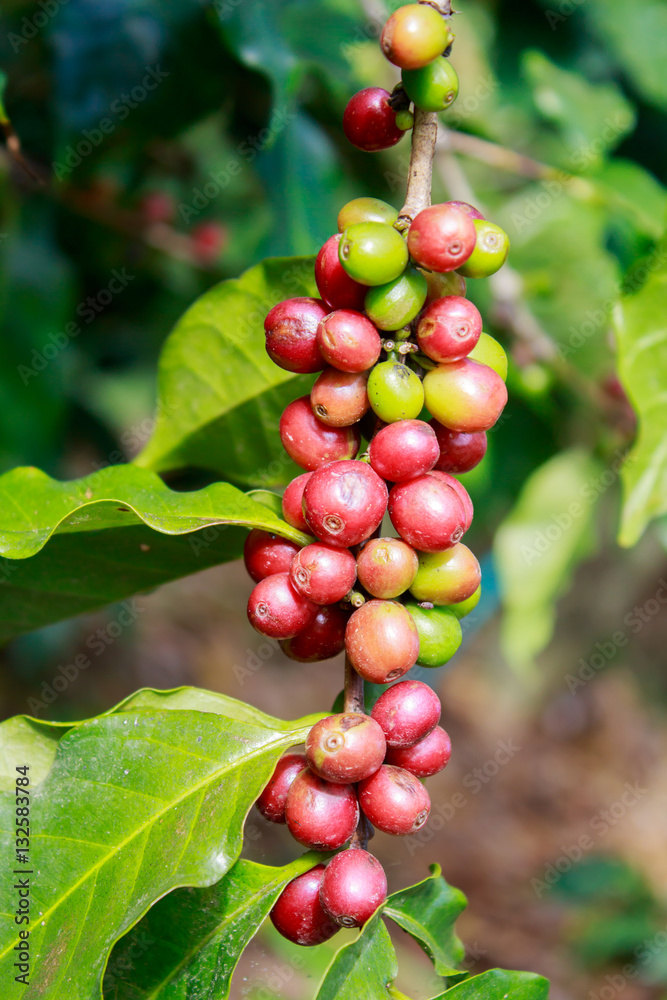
498	984
363	968
640	320
27	741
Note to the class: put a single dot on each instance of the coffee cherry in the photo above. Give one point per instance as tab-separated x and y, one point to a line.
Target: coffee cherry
373	253
427	513
366	210
348	341
414	36
459	451
446	577
386	567
404	450
337	288
345	748
449	328
427	757
320	814
323	639
395	392
407	712
322	573
338	398
291	329
157	206
298	914
381	640
207	240
465	206
433	87
464	395
276	610
463	608
394	801
439	634
490	253
309	442
461	492
271	802
487	351
344	502
292	503
405	119
369	121
265	554
441	285
441	238
353	887
394	305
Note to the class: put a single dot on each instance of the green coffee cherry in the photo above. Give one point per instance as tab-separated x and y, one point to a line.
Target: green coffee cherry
490	253
464	608
373	253
366	210
404	120
489	352
434	87
439	634
395	392
395	304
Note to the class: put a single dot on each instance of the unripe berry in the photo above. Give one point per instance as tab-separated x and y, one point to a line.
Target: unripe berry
446	577
395	801
353	887
381	640
439	634
386	567
441	285
395	392
490	253
345	748
427	513
394	305
348	341
291	335
465	206
271	802
449	328
337	288
461	492
465	396
459	451
320	814
404	450
265	554
369	121
292	502
323	573
441	238
344	502
366	210
338	398
323	639
433	87
414	36
463	608
487	351
427	757
298	914
309	442
373	253
407	712
276	610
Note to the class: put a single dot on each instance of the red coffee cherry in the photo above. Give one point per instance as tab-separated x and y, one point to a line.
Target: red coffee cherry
298	914
414	36
394	800
425	758
320	814
353	887
334	284
369	121
447	577
406	713
276	610
344	502
386	567
427	513
271	802
323	639
265	554
382	641
464	206
460	491
208	239
291	335
345	748
404	450
323	573
459	450
309	442
449	328
292	498
465	395
348	341
338	398
441	238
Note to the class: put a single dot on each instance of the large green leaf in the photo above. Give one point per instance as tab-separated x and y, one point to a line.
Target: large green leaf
499	984
363	968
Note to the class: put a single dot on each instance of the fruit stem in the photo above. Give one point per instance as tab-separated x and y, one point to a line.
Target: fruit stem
354	689
420	172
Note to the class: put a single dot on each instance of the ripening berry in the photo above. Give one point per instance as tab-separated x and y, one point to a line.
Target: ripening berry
366	210
446	577
490	253
381	640
353	887
404	450
459	451
407	712
395	392
348	341
425	758
465	206
441	285
309	442
345	748
276	610
449	328
395	801
414	36
208	239
433	87
441	238
465	395
386	567
323	573
439	634
271	802
373	253
488	351
265	554
291	335
337	288
292	502
344	502
427	513
369	121
394	305
463	608
298	914
319	813
323	639
460	491
339	399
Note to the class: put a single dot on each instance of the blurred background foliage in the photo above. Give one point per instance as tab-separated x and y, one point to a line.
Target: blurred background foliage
175	144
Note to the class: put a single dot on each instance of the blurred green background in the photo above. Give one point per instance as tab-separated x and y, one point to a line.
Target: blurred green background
166	146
